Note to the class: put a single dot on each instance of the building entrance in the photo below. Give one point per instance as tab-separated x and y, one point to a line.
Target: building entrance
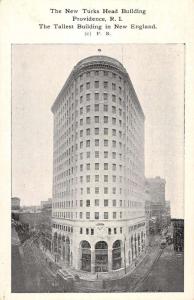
101	257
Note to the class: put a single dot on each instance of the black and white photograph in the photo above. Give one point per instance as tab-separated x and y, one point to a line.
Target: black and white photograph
97	142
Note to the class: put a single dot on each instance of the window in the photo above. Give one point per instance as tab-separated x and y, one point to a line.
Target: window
96	215
81	99
113	155
88	154
120	112
114	109
96	73
87	203
88	120
114	167
96	202
96	178
96	166
81	167
87	85
96	142
106	143
105	107
114	190
80	215
121	215
88	190
105	202
81	88
105	119
113	98
88	131
105	178
96	190
81	133
81	179
96	84
114	178
81	203
96	107
87	216
105	190
88	178
81	230
105	84
88	167
114	75
113	121
92	231
88	97
105	215
81	121
87	230
105	96
105	154
96	154
114	202
96	96
121	229
96	130
109	230
120	89
113	86
114	132
87	74
88	108
105	166
105	131
115	231
81	110
105	73
96	118
88	143
121	202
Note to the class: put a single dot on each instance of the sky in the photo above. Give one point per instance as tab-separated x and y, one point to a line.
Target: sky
38	74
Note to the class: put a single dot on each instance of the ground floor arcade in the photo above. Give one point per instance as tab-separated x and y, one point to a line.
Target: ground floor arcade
98	255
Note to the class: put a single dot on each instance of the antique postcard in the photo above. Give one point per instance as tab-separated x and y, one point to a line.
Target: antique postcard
96	152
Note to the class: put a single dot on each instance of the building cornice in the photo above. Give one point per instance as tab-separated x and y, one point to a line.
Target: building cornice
98	63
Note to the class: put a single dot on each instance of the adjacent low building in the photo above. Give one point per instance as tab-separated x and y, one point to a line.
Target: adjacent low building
178	234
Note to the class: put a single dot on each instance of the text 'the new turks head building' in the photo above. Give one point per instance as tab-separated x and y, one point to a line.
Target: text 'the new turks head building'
98	210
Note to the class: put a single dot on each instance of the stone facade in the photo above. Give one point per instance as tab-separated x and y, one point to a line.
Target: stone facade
98	207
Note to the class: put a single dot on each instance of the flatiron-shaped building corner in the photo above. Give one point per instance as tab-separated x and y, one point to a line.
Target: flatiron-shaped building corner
98	210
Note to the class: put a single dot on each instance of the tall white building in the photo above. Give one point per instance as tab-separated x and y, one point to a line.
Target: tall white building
98	207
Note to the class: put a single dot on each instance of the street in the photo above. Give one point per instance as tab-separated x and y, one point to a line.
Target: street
166	275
